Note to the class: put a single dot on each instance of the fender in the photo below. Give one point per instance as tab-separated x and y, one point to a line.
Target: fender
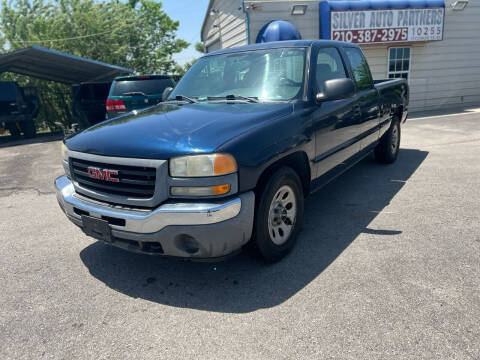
256	150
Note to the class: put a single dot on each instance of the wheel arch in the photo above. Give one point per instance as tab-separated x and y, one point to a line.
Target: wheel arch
398	111
298	161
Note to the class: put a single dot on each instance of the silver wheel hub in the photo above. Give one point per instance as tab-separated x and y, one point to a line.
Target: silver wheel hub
395	139
282	215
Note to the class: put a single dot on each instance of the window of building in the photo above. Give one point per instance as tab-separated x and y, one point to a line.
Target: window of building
399	63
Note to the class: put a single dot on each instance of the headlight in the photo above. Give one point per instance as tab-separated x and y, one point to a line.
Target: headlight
202	165
64	152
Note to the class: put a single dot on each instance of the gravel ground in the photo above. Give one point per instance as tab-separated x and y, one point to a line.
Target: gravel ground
387	267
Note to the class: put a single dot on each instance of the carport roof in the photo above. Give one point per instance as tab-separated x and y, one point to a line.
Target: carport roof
57	66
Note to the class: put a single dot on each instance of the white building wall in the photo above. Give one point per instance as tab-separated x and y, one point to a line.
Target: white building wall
443	73
262	12
227	28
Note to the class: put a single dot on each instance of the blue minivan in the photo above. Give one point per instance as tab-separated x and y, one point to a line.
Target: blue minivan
129	93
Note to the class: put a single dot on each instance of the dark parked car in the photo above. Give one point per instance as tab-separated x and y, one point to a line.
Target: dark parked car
88	105
136	92
18	109
228	158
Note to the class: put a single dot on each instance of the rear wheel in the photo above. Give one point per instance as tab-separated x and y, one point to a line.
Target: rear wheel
387	150
279	215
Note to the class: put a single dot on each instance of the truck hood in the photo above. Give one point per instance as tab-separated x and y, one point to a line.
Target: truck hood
165	131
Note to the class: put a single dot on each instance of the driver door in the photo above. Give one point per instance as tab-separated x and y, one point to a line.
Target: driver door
335	122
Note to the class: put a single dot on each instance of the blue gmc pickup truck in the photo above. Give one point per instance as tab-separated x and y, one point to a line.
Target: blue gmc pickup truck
227	158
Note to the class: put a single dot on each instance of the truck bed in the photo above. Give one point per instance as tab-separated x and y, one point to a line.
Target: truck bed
388	82
394	93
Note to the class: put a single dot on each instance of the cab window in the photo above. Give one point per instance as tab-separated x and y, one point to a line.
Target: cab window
360	69
329	66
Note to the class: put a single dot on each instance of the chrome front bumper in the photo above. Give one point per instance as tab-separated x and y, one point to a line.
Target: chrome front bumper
201	229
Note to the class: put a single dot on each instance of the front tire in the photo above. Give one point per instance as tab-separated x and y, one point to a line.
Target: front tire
278	215
386	151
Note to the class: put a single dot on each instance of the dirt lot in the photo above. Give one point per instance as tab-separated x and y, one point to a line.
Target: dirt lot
387	266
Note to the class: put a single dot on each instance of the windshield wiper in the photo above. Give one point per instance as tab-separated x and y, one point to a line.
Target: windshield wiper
252	99
133	93
183	97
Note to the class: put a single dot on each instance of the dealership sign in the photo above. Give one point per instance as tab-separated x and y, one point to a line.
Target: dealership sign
387	26
382	21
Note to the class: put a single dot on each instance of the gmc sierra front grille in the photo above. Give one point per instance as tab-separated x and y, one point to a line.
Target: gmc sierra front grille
131	181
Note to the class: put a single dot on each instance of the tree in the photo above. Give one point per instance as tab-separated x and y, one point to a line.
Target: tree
200	47
136	34
189	64
181	70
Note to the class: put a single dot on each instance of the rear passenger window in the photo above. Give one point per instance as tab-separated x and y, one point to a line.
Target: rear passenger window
329	66
361	71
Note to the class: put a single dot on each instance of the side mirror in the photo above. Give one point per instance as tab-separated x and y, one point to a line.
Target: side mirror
336	89
166	92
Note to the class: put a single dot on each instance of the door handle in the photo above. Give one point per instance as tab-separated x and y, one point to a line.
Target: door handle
357	114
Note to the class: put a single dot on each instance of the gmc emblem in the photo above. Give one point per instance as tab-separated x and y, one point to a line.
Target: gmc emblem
103	174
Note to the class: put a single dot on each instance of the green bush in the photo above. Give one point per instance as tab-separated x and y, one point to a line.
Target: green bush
133	34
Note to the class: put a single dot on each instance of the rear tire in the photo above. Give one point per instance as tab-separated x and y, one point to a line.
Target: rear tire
386	152
278	215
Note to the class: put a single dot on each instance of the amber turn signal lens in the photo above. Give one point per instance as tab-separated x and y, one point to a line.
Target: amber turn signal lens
221	189
224	164
200	190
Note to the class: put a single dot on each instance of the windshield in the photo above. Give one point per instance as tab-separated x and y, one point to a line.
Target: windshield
153	86
271	74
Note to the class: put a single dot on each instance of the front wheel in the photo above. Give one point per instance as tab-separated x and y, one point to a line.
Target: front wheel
279	215
387	150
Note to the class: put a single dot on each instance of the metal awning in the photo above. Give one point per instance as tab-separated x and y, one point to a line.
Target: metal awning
52	65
